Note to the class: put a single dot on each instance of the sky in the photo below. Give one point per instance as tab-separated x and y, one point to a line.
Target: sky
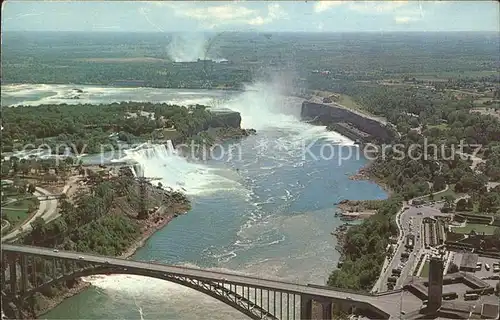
264	16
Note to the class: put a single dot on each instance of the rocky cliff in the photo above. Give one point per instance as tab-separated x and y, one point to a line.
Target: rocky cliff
224	118
359	126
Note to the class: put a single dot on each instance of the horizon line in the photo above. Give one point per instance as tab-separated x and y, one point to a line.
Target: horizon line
243	31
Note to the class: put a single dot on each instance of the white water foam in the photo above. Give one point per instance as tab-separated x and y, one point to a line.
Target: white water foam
38	94
263	106
151	294
174	171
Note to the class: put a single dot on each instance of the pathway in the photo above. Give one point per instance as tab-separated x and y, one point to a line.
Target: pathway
47	211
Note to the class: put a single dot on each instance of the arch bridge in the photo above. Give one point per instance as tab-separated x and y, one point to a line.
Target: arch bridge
27	270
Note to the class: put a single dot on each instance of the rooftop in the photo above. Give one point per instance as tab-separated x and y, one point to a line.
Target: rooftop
469	260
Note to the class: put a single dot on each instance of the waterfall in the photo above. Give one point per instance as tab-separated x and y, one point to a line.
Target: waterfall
170	147
162	161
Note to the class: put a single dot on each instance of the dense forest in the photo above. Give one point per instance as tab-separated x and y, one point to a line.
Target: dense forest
114	59
96	221
364	249
424	118
105	220
86	128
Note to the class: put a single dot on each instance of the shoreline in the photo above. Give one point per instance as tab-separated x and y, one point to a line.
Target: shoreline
344	206
364	174
81	285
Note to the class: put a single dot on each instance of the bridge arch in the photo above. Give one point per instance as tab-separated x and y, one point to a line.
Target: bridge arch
209	287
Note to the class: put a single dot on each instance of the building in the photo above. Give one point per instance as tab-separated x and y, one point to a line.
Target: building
469	262
490	311
435	291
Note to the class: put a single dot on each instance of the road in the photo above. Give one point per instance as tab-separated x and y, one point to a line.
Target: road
319	100
386	268
5	224
384	302
403	218
47	211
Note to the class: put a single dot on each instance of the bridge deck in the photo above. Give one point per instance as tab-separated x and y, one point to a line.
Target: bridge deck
382	302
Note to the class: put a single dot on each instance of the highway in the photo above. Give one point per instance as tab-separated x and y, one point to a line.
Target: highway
384	302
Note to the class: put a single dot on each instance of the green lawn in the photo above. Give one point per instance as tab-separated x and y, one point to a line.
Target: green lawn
479	228
440	196
15	215
18	212
348	102
23	204
425	270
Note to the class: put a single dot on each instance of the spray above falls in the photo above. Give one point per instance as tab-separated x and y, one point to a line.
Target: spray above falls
191	47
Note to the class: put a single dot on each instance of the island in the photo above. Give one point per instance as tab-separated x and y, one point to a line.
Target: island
100	208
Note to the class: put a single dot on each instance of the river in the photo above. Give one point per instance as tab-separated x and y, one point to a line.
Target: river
266	208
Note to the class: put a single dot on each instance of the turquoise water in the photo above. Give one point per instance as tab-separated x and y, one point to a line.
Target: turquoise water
277	224
266	209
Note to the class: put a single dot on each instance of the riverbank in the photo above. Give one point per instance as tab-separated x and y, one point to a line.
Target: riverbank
150	226
365	174
359	208
156	221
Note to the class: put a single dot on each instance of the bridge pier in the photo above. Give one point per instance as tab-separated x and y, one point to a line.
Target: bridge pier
327	310
306	305
24	273
13	274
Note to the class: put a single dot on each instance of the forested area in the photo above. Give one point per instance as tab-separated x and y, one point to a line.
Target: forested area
364	249
95	221
87	127
86	58
105	220
435	123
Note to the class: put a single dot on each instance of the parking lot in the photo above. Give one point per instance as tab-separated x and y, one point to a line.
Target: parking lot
483	273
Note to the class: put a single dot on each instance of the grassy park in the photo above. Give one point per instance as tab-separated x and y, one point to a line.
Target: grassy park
425	270
17	207
442	195
479	228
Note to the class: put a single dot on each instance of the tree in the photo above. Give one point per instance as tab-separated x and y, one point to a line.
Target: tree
69	161
461	205
449	204
489	201
38	230
17	183
453	268
438	183
31	188
496	233
6	166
